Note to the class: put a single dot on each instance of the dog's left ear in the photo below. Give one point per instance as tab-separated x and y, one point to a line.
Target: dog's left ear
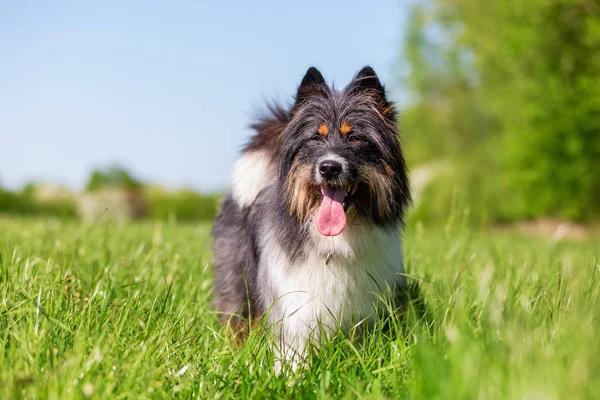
367	82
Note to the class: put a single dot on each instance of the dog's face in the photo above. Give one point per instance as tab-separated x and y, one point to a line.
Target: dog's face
340	159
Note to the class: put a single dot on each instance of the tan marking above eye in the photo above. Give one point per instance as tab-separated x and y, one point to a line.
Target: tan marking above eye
345	128
323	130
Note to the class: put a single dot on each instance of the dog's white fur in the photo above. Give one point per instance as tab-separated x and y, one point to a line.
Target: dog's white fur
318	296
252	172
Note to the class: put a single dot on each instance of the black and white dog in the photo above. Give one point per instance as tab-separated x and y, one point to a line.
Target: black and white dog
310	233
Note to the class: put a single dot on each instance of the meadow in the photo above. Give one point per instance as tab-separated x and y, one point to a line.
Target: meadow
123	311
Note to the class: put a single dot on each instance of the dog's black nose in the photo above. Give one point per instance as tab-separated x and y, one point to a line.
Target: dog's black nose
330	169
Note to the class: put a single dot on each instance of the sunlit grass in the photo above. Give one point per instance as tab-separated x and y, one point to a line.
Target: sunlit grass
108	311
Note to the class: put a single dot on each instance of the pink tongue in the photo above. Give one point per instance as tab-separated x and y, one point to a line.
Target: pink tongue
331	218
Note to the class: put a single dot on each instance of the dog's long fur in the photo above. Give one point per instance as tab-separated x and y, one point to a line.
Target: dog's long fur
270	258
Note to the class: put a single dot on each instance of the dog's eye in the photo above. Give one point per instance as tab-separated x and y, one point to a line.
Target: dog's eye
353	139
316	138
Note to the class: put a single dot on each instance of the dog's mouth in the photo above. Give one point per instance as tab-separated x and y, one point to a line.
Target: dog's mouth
331	216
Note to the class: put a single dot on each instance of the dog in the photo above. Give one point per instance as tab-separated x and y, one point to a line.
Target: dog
309	235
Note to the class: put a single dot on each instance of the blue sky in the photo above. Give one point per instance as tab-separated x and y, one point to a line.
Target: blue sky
168	88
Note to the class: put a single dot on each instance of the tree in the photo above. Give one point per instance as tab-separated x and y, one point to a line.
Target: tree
114	176
524	79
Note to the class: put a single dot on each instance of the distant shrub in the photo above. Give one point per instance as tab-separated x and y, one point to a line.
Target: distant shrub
185	205
112	177
10	203
112	194
473	189
24	203
56	208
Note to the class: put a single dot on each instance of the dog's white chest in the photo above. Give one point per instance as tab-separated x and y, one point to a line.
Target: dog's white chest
318	296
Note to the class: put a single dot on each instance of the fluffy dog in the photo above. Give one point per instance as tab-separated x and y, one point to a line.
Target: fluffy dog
310	233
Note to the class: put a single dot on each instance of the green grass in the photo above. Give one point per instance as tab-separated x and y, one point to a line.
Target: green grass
111	311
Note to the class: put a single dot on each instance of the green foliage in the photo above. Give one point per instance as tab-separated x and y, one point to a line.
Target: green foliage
519	84
155	203
114	176
124	311
11	203
184	205
24	203
465	187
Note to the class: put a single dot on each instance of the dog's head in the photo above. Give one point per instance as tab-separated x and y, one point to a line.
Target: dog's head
340	160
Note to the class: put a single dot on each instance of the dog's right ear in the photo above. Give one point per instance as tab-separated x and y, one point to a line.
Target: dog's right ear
313	84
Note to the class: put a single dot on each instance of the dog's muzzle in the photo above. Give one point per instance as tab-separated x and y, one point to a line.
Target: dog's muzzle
337	189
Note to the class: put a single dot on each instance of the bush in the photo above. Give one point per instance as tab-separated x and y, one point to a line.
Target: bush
471	190
185	205
112	177
12	204
24	203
